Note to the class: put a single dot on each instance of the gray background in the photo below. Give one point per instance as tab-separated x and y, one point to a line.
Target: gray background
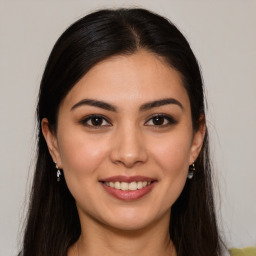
223	37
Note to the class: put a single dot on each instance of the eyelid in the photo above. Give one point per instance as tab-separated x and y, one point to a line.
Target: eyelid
169	118
87	118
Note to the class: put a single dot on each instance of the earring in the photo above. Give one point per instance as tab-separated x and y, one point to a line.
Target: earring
58	172
191	171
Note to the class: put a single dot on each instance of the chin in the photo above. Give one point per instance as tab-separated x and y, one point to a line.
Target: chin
134	221
129	225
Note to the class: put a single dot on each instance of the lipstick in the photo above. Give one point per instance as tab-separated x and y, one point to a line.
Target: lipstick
128	188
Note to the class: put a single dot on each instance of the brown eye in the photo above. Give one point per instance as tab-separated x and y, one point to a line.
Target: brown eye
158	120
95	121
161	120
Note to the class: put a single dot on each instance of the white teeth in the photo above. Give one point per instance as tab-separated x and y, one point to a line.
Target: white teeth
133	185
128	186
124	186
117	185
139	185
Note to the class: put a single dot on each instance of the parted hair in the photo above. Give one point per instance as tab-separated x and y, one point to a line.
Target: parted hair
52	223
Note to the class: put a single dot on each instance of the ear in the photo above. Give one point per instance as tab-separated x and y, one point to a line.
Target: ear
198	139
51	141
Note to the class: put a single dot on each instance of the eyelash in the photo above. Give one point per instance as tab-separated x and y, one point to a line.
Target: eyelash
170	121
91	117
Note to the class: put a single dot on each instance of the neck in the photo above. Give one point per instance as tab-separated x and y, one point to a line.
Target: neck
99	239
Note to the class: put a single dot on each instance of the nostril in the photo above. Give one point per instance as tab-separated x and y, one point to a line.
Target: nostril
128	149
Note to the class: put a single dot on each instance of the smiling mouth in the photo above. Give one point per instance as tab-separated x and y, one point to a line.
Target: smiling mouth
128	188
125	186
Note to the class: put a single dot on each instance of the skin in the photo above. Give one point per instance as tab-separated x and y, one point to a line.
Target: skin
127	143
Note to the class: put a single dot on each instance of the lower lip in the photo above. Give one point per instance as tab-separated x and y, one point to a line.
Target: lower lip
128	195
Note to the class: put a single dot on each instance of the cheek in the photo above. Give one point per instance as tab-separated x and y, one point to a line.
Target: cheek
81	158
172	159
173	154
81	155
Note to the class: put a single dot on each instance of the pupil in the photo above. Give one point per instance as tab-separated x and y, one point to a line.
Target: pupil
158	120
96	121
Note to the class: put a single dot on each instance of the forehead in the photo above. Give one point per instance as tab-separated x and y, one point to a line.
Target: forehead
129	79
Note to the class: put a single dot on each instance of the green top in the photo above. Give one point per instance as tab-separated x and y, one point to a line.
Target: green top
249	251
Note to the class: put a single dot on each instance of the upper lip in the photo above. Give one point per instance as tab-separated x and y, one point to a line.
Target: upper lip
127	179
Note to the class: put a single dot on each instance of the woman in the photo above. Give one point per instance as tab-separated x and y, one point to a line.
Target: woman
123	164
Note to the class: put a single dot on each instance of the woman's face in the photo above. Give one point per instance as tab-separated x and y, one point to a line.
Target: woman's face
125	141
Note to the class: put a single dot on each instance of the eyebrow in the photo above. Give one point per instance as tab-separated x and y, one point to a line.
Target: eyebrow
95	103
110	107
158	103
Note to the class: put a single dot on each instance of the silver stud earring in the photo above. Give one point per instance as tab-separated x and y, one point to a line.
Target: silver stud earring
191	171
58	172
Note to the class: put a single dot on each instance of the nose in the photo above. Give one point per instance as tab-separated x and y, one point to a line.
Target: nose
128	148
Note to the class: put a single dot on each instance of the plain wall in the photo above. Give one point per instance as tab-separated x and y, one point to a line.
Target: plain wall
223	37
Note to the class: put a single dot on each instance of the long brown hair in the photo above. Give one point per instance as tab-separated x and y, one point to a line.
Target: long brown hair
53	224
